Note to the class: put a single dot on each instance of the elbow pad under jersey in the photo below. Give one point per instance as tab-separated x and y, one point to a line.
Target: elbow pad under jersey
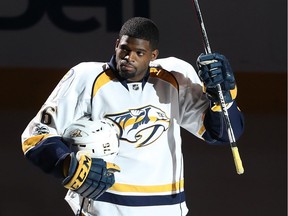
48	155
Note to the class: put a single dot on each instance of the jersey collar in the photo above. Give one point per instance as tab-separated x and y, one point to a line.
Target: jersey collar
112	65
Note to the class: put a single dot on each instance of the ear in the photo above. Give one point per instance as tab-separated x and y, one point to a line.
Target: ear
117	44
155	54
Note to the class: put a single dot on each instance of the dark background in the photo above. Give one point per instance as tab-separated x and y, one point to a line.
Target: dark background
252	34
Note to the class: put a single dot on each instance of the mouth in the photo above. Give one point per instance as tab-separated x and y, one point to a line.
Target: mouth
125	66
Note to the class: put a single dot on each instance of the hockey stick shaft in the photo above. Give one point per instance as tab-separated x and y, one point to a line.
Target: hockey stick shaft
234	148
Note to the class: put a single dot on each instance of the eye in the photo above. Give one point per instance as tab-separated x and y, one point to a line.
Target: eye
161	115
140	53
124	50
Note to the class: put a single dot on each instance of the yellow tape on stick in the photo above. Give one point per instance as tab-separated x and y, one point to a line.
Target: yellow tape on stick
237	160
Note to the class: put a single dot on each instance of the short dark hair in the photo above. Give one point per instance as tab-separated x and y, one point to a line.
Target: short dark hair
142	28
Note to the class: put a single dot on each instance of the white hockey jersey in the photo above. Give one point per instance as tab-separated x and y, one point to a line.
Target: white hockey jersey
149	115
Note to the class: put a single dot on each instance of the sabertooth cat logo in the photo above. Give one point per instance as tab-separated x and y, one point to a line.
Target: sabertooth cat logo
142	126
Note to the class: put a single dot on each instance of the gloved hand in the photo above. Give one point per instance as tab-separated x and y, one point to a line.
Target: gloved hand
215	69
89	177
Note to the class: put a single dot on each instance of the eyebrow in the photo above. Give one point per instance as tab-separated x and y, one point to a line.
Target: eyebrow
137	49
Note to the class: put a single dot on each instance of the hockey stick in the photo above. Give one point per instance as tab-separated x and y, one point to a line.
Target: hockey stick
234	148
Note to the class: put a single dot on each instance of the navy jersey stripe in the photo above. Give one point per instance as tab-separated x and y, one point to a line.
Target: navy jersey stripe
143	200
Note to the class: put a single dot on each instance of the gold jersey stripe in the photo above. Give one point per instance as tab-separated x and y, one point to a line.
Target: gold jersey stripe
108	75
33	141
164	75
102	79
202	130
148	189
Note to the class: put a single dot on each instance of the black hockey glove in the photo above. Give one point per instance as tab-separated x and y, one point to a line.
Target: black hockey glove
215	69
89	177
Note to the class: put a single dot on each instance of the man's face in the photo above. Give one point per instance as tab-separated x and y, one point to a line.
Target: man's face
133	56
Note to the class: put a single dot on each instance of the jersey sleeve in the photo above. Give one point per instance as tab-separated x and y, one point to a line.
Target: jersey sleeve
70	100
192	103
196	115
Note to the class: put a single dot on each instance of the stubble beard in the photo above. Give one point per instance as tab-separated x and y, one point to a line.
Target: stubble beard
127	75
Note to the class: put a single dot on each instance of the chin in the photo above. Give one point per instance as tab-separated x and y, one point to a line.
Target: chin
126	75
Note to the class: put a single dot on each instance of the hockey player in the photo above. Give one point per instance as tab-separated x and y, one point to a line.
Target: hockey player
149	99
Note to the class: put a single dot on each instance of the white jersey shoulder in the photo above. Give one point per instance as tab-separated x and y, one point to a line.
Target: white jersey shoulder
87	70
177	66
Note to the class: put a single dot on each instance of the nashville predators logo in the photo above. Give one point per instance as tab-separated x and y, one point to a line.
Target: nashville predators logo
142	126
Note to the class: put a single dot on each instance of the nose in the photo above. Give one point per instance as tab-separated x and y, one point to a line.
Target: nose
126	57
130	56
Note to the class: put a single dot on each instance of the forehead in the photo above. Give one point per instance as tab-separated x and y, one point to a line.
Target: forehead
126	40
